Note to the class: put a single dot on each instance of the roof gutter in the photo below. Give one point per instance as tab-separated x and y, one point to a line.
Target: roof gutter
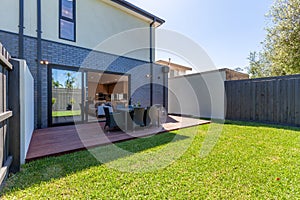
139	10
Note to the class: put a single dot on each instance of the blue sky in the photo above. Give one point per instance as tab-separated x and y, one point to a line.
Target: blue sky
226	30
61	76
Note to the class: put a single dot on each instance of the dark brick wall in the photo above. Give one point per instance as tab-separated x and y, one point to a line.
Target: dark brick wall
141	95
10	42
67	55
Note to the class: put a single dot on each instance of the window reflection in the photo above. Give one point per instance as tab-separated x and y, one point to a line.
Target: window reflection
67	20
66	30
67	9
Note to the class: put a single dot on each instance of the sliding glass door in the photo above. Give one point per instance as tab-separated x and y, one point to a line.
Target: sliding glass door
77	95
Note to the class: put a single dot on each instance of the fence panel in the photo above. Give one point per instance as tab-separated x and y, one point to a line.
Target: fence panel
64	96
297	100
5	158
275	100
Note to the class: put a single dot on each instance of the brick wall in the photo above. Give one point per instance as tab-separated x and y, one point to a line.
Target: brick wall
67	55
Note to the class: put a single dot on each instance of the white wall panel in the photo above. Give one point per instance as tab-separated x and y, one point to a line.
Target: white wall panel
200	95
26	108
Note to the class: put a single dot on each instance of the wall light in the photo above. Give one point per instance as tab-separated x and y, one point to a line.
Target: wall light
44	62
148	75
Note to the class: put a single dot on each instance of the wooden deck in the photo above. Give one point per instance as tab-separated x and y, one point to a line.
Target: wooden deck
65	139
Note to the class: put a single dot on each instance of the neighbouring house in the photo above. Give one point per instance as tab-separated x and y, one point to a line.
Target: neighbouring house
174	69
234	75
82	53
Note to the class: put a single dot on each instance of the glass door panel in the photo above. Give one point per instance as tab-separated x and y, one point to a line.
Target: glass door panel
91	97
105	89
66	96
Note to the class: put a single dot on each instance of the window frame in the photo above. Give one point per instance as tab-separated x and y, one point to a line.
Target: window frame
61	17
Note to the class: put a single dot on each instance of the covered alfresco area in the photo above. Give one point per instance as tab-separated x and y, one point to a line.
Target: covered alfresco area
65	139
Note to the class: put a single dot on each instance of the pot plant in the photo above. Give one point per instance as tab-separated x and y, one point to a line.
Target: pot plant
53	101
70	105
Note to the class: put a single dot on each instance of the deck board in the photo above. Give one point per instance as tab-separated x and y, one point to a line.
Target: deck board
66	139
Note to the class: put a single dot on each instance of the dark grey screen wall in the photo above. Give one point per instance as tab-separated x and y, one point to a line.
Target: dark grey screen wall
275	100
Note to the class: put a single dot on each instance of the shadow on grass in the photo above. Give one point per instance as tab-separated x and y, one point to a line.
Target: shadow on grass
124	149
260	124
52	168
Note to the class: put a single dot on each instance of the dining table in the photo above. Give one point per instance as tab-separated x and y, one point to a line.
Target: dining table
127	112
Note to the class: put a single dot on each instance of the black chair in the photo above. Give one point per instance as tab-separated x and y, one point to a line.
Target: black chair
138	116
111	118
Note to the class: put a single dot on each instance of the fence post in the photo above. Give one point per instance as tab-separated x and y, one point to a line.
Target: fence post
14	123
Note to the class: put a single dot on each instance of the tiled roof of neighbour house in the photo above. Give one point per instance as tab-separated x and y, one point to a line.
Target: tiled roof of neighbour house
235	75
174	65
230	74
129	7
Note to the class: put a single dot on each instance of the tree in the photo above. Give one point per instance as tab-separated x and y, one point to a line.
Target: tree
282	44
56	84
259	66
70	81
69	84
281	48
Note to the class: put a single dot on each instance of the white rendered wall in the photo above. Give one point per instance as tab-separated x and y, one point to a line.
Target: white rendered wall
200	95
96	21
26	108
9	15
30	19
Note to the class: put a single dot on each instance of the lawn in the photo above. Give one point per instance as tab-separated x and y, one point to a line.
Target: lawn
65	113
249	161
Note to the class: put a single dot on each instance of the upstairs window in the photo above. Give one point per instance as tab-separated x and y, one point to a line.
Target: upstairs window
67	19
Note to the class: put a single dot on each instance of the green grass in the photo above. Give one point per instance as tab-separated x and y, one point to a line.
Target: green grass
65	113
249	161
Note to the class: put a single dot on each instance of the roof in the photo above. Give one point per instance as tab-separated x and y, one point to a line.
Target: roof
132	8
173	65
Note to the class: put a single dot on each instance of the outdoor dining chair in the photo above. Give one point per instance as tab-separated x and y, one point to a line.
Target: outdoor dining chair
112	119
157	114
138	116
